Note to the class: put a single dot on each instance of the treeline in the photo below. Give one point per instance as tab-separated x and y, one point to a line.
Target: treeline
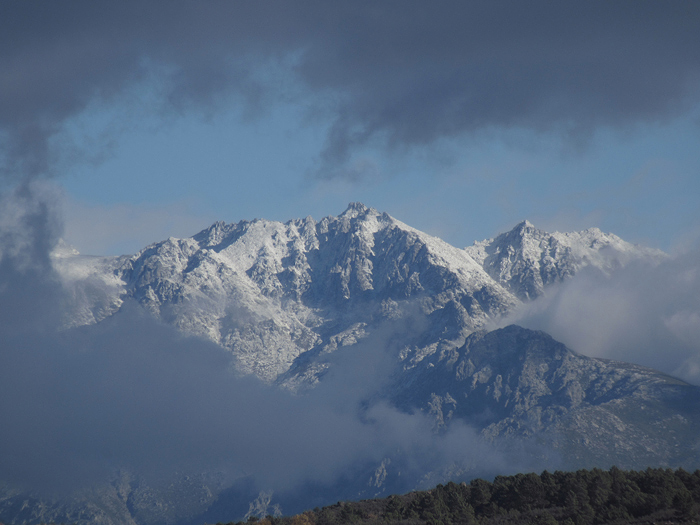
585	497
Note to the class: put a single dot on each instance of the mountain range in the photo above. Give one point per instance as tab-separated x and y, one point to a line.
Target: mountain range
294	302
278	295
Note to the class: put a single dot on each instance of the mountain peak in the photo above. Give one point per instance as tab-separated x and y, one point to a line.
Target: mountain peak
526	260
63	249
524	227
355	209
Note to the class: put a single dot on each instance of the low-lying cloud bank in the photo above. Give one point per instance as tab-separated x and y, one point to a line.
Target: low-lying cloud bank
644	313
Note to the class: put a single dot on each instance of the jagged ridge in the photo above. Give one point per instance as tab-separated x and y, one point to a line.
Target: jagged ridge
279	294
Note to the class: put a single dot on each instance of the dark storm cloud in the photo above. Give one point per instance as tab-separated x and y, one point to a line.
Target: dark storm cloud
403	73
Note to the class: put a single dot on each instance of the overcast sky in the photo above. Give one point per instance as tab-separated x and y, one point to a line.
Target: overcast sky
158	118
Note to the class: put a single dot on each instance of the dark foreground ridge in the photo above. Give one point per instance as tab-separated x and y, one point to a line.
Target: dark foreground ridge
584	497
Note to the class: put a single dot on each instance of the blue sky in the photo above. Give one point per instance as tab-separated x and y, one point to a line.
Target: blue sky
459	129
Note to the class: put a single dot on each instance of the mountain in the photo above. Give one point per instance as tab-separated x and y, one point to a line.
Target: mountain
515	383
279	295
410	317
526	260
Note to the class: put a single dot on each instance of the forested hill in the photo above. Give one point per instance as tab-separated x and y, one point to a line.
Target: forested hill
571	498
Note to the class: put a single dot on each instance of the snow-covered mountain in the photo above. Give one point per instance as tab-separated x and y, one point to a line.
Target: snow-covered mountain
525	260
287	299
281	295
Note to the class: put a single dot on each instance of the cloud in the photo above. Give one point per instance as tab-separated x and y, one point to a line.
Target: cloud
403	74
644	313
29	228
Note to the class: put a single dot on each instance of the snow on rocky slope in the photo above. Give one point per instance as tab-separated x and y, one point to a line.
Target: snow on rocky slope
526	260
518	384
280	295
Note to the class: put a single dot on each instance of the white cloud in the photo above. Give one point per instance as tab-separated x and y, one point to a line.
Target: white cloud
645	314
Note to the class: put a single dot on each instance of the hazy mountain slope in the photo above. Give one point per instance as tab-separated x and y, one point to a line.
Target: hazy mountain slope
122	501
516	386
94	285
517	383
540	406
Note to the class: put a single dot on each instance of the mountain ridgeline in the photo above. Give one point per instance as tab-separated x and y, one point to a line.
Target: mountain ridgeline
277	294
410	319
